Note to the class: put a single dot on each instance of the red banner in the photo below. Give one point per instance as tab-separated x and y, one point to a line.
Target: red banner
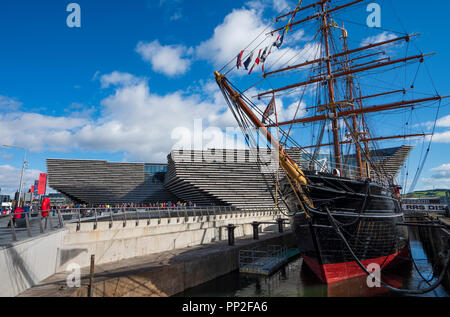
42	184
32	189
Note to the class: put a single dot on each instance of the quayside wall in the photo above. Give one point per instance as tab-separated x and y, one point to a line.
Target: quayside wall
29	262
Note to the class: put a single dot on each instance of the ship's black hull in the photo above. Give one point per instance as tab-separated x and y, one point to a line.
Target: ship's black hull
368	218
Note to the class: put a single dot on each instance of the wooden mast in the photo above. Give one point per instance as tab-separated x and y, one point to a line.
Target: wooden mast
361	110
354	117
344	73
373	139
331	96
407	37
329	74
290	167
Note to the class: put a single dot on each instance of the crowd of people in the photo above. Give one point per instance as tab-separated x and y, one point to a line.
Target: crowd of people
46	208
21	210
168	204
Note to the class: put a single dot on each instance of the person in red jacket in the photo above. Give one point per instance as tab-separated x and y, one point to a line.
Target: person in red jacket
17	215
45	207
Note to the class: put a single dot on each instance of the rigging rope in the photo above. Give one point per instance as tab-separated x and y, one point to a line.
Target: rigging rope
394	289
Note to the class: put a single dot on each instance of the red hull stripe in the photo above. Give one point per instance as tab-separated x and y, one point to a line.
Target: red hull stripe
335	272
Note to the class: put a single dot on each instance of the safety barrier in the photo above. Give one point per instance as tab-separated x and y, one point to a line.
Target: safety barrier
38	223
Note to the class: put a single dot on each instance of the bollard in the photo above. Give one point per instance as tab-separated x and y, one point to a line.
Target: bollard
231	234
95	221
49	217
60	219
111	221
280	225
41	227
27	221
13	228
255	225
91	277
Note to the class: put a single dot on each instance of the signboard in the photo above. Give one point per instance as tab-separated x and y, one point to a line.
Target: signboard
424	207
421	201
42	184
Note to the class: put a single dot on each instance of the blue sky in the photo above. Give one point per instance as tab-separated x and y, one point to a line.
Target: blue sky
119	86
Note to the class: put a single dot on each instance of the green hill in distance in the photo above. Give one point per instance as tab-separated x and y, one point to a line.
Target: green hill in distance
427	193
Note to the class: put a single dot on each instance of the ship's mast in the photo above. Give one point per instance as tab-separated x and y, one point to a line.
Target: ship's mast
354	117
331	96
338	66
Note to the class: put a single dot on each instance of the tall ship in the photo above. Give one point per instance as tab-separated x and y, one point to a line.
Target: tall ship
344	204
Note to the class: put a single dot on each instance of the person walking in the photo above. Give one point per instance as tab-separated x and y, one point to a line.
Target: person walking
17	215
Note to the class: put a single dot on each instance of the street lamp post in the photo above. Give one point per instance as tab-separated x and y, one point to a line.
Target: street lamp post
23	168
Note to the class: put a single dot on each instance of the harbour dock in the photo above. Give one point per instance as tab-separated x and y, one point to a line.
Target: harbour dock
189	246
160	274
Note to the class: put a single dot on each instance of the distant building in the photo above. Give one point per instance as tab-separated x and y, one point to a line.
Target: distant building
100	182
202	177
26	197
5	198
58	199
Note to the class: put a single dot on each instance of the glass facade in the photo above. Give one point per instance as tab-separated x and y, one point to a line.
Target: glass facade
155	173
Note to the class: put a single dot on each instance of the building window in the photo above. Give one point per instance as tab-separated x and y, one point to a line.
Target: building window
155	174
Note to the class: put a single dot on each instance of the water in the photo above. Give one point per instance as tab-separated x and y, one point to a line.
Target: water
297	280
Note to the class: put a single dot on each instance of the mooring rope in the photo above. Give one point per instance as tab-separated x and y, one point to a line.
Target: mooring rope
394	289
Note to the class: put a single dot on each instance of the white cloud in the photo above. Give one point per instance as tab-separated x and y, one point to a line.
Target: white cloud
443	171
176	16
170	60
38	132
241	27
443	167
238	29
280	5
10	179
444	122
441	179
9	104
441	137
132	120
291	56
385	36
118	79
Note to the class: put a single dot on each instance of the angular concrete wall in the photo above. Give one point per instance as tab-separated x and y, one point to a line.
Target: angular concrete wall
119	242
102	182
25	264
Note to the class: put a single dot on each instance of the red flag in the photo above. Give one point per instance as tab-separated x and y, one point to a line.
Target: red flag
239	59
42	184
256	61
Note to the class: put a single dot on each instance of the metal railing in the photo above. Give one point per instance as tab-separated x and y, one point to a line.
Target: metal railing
19	226
348	171
262	258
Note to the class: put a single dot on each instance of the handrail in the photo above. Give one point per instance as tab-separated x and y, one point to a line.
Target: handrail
95	215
